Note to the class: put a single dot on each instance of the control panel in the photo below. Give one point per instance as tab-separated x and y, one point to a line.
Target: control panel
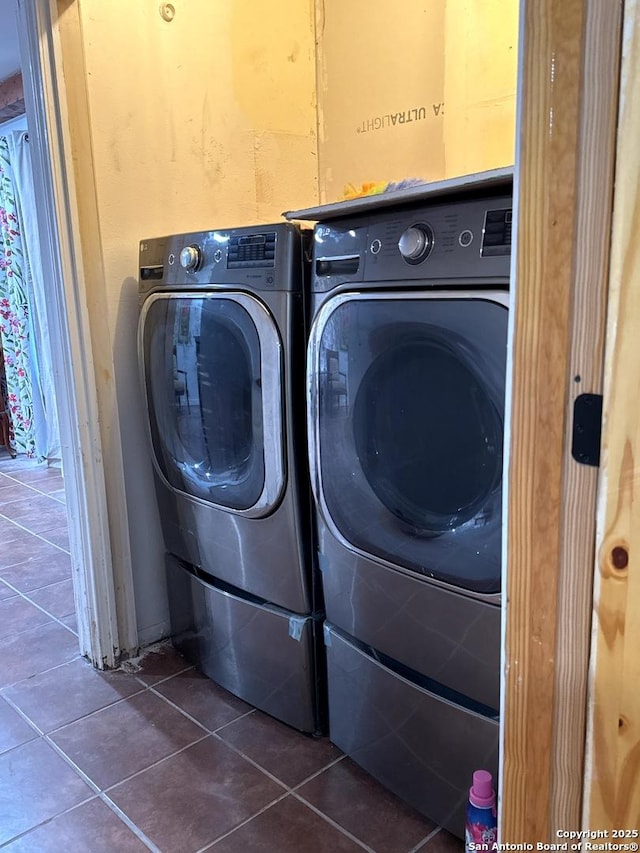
496	235
261	258
465	239
253	250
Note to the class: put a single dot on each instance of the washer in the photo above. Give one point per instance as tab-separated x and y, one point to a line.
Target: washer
406	382
221	349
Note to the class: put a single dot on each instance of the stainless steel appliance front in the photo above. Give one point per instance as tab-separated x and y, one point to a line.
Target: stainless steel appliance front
405	386
221	344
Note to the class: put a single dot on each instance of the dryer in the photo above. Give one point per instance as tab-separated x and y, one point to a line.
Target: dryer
405	385
221	349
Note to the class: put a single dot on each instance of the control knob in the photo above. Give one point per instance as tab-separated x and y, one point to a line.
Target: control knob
415	243
191	258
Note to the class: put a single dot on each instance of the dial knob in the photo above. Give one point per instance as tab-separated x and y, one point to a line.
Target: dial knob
416	243
190	258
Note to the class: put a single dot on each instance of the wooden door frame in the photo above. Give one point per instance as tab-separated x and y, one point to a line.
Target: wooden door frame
568	88
103	587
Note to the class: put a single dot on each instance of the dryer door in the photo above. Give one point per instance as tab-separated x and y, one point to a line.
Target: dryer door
212	372
407	417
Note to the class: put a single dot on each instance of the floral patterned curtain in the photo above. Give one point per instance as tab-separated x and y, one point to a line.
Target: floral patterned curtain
14	313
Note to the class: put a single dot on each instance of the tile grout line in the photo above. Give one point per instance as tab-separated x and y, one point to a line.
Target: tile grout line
130	671
92	713
28	592
124	817
46	736
25	596
45	822
244	822
28	677
28	501
289	790
333	823
27	529
37	492
117	784
237	750
16	481
317	773
422	844
252	762
40	536
76	656
101	793
98	793
193	719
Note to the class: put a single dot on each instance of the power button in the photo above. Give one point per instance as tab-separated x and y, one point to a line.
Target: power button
466	238
375	246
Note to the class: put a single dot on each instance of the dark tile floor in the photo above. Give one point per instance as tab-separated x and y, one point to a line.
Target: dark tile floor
153	756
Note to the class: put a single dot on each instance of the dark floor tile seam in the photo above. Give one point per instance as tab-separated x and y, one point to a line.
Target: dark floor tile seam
140	678
106	791
43	671
17	524
36	493
5	517
422	844
71	722
21	562
16	482
52	618
124	817
69	628
98	794
334	823
25	719
253	762
46	736
238	751
211	844
248	713
25	595
45	822
319	772
186	714
89	781
38	536
43	535
4	583
28	593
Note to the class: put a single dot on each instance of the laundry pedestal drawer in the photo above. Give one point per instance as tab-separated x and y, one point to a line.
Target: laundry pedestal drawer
419	745
273	663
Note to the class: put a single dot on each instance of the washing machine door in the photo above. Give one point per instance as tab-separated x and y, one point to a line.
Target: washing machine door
212	372
407	423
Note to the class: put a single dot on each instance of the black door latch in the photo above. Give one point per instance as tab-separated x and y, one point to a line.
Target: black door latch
587	429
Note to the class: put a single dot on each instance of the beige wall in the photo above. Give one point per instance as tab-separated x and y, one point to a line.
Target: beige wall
414	89
205	121
480	73
209	120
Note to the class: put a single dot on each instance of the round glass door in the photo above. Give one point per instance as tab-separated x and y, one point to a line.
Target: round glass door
212	372
409	431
